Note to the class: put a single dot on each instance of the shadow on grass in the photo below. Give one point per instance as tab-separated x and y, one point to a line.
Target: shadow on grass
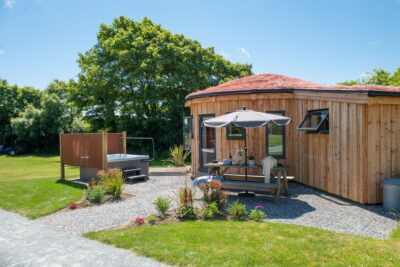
71	184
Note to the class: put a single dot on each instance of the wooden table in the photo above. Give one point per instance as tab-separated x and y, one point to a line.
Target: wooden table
220	169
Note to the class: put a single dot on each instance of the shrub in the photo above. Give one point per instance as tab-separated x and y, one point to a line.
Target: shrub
139	221
152	218
185	201
237	211
213	193
112	182
186	212
177	155
95	194
162	205
210	211
92	182
257	214
186	195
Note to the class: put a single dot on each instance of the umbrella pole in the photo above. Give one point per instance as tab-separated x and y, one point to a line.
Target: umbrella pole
246	193
245	156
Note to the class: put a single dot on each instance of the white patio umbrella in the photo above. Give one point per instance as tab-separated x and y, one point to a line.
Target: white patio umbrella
247	119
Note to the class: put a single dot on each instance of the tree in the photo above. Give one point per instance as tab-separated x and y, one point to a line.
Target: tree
13	100
137	76
378	77
37	128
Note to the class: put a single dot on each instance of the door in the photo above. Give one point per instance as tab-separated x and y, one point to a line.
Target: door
207	142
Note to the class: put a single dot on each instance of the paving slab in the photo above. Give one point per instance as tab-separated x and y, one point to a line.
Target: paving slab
26	242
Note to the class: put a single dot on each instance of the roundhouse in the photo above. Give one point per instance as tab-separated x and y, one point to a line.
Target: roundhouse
344	140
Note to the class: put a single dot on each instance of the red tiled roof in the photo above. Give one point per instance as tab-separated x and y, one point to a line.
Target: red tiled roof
260	82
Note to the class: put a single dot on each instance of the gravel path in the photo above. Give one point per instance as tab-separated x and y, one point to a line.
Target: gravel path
25	242
309	207
109	215
305	206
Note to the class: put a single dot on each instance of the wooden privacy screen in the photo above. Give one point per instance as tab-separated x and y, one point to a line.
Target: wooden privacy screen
116	143
90	150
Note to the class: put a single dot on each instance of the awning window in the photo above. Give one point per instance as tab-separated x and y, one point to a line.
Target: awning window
315	121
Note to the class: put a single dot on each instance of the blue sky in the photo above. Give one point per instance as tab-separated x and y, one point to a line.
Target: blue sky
322	41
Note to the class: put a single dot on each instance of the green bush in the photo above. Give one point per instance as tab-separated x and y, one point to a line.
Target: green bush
257	215
210	211
162	206
112	182
177	155
186	212
151	219
95	194
213	193
237	211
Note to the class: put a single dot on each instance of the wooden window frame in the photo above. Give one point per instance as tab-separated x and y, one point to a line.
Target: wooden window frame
283	155
201	168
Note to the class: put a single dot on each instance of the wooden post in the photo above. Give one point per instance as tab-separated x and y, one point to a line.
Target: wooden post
123	142
104	151
62	167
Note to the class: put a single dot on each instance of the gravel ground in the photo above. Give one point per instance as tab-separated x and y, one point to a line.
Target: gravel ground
304	206
110	215
310	207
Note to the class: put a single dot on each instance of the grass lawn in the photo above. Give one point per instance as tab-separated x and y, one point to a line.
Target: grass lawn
29	185
29	167
225	243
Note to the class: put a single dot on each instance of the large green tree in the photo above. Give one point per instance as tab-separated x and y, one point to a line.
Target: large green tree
378	77
13	100
137	76
37	128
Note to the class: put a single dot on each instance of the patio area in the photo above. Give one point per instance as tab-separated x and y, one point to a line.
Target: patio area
304	206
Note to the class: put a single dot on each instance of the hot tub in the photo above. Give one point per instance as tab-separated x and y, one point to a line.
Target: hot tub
136	166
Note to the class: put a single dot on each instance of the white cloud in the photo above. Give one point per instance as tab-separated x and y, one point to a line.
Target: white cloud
9	3
244	52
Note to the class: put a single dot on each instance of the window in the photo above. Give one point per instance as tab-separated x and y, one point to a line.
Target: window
207	142
315	121
187	132
234	132
276	140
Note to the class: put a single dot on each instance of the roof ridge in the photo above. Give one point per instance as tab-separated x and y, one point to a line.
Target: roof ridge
278	82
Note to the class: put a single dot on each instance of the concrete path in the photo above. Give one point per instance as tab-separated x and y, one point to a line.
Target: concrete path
25	242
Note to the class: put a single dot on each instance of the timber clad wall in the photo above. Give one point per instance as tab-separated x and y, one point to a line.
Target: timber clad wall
362	148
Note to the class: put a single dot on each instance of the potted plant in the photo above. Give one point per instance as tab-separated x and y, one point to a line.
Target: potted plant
251	160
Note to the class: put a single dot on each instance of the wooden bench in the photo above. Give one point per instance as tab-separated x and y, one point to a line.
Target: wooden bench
274	188
258	179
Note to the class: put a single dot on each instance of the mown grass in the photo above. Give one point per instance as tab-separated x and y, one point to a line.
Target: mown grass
29	167
225	243
38	197
29	185
396	233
